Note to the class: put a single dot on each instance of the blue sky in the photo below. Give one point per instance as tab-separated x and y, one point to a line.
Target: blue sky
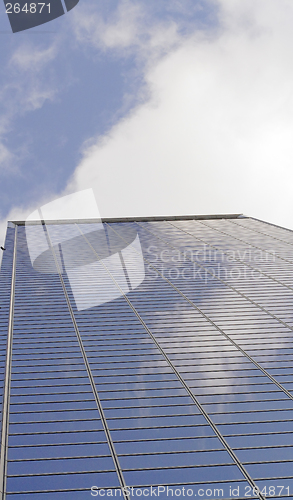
61	87
162	107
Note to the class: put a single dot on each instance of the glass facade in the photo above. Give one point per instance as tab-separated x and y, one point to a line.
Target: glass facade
147	358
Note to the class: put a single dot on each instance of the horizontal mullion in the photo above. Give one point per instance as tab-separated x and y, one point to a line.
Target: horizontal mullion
56	421
38	474
21	460
228	464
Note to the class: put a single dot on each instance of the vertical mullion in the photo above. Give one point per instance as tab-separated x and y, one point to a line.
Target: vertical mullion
252	360
90	375
7	380
227	447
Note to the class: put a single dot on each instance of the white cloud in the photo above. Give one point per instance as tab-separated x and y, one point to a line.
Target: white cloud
120	32
216	134
129	30
26	81
28	57
5	154
38	95
24	89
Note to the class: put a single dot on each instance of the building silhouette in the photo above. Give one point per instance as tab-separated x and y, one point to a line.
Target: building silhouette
147	357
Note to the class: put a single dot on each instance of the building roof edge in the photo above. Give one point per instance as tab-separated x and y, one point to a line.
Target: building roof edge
131	219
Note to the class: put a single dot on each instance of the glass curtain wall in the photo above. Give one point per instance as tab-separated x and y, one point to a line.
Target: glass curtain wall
148	358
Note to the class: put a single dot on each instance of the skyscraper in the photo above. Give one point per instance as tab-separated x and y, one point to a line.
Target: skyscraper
147	357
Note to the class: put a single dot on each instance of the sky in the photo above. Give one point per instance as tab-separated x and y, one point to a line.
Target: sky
161	107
